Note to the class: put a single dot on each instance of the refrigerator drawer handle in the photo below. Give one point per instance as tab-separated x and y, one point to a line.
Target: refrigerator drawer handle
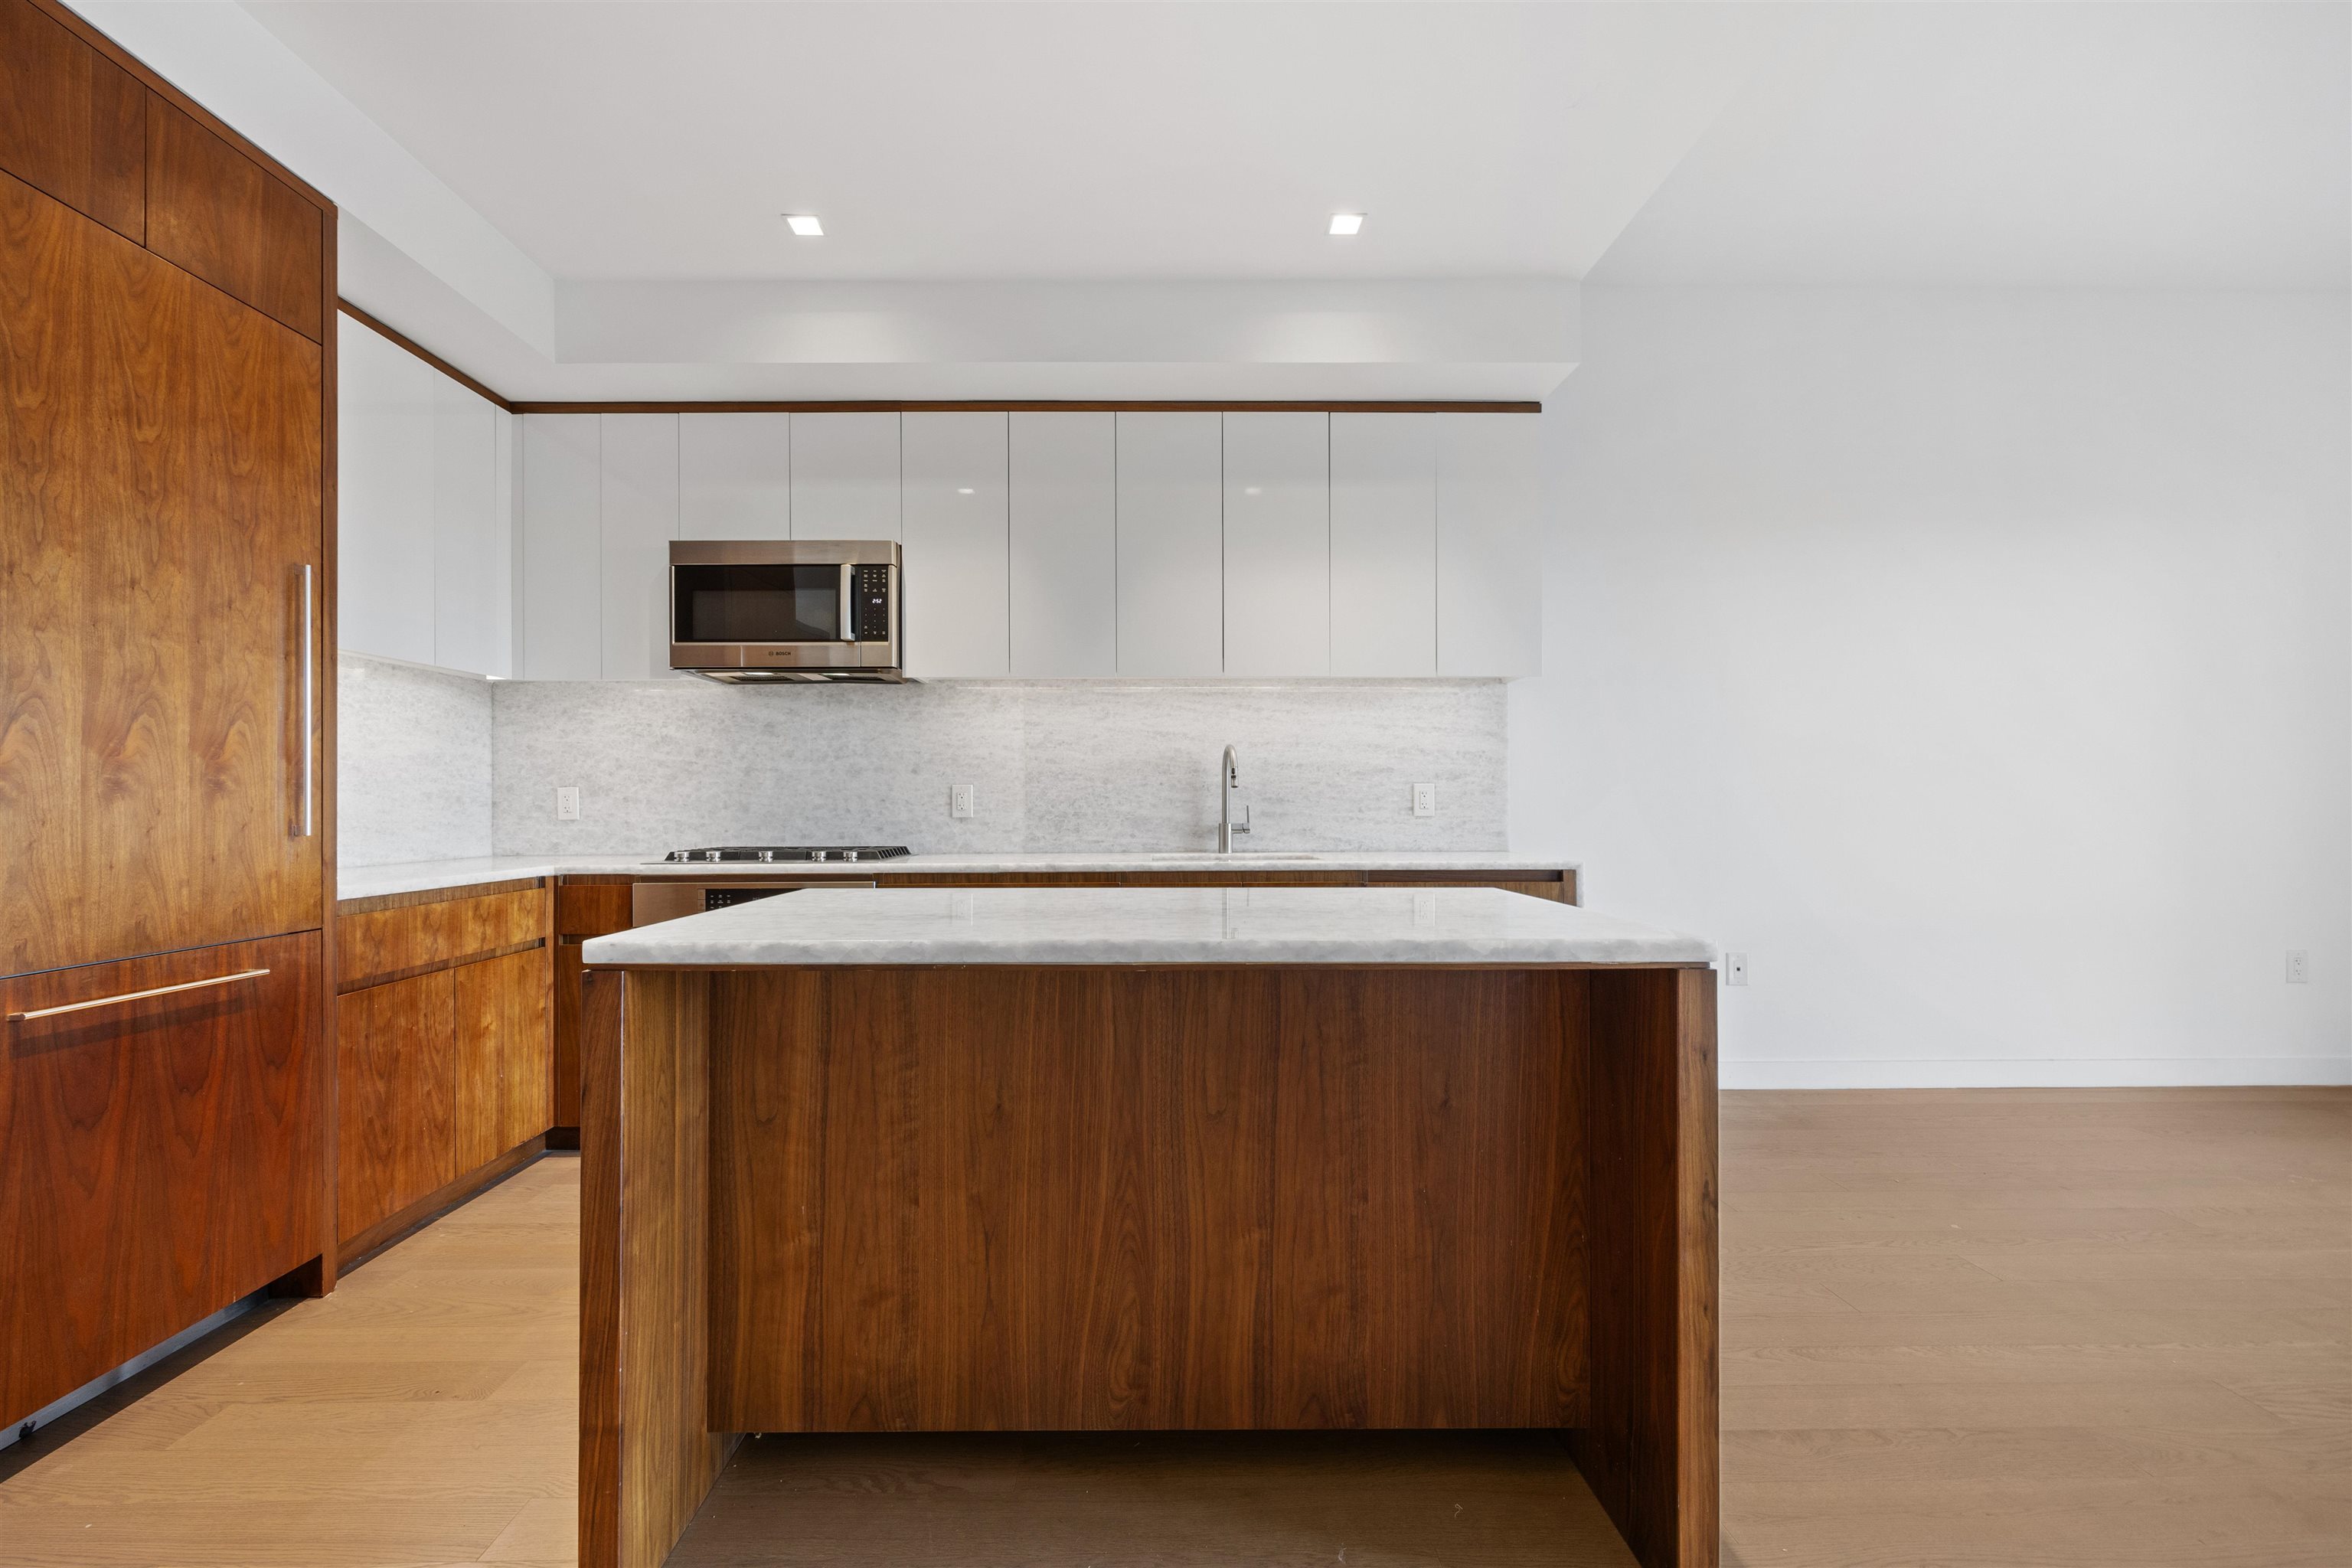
137	996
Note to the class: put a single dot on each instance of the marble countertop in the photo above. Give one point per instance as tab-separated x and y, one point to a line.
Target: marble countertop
1146	925
424	876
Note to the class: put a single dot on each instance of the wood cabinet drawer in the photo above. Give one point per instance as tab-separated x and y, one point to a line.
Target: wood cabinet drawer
160	1156
374	945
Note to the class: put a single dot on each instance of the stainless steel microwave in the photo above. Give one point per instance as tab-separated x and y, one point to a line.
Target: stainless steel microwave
798	609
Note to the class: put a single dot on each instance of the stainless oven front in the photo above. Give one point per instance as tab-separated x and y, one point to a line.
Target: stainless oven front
787	609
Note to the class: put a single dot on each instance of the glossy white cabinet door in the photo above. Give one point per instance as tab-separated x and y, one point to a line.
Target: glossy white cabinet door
562	546
640	514
956	582
1489	563
1171	574
844	476
1277	545
384	496
734	476
472	542
1384	544
1064	516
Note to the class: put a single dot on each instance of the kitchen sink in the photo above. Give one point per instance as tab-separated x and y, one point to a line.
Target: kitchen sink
1212	858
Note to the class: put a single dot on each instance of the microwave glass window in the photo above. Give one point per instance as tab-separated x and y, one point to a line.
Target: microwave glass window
758	604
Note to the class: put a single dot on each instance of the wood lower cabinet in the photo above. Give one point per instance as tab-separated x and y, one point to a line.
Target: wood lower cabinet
395	1073
505	1093
161	1156
441	1053
582	909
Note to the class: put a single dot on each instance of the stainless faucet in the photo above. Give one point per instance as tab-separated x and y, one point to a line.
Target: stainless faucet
1229	780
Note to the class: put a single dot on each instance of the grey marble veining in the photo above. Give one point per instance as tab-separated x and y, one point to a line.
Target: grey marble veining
1147	925
412	763
1325	765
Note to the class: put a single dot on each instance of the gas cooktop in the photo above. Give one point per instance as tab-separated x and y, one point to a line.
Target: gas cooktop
762	854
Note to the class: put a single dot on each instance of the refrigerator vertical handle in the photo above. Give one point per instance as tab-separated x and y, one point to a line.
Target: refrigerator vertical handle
306	707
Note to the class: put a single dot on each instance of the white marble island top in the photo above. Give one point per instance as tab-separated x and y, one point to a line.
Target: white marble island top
1145	925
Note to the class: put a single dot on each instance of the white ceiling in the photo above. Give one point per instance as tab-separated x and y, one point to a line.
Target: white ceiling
2083	145
1003	141
584	200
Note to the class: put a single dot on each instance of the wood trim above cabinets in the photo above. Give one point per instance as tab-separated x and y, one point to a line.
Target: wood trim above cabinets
1029	405
399	339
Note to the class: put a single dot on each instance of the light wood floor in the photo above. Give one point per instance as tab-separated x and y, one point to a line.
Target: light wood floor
1997	1328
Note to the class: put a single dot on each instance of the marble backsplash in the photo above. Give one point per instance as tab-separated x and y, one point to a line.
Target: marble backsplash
1325	766
412	763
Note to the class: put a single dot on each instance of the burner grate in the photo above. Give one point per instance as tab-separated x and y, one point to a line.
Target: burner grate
786	853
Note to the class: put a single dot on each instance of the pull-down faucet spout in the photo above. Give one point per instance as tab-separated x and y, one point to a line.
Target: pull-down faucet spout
1228	779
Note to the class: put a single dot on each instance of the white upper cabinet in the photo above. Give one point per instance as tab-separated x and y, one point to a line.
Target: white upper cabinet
956	615
1038	543
735	475
1277	545
384	496
424	512
1171	590
639	474
1489	563
844	476
562	546
1384	544
473	555
1064	544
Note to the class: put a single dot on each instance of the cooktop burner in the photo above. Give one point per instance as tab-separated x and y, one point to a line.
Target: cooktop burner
760	854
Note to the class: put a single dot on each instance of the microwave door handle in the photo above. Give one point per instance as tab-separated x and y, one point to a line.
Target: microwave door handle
849	603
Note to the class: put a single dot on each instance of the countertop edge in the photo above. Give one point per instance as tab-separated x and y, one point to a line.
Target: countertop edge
355	882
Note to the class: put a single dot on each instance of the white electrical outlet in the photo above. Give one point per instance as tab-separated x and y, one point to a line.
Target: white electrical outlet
567	802
959	800
1735	969
2298	967
1424	799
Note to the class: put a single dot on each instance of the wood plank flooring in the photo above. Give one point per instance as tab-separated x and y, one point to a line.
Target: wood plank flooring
425	1414
1978	1328
2038	1327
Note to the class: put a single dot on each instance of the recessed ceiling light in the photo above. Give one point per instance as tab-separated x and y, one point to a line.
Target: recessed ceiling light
807	225
1346	223
1252	489
963	490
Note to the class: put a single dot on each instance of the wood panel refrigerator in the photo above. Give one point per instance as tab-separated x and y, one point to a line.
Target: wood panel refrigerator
165	825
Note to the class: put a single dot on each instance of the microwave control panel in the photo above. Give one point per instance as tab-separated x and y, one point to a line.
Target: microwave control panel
871	589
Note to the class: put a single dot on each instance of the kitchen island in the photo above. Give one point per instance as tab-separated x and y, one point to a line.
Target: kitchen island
1098	1159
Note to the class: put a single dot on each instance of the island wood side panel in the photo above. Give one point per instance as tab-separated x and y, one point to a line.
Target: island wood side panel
1650	1447
1089	1199
647	1456
1428	1215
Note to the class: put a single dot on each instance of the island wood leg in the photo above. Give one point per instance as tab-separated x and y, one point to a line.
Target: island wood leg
1649	1451
647	1457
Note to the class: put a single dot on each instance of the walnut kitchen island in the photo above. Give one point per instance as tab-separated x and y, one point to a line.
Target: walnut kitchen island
1097	1158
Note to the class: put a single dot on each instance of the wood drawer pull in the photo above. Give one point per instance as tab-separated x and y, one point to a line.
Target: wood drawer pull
137	996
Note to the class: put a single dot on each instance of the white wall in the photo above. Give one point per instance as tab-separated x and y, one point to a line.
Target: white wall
1977	662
